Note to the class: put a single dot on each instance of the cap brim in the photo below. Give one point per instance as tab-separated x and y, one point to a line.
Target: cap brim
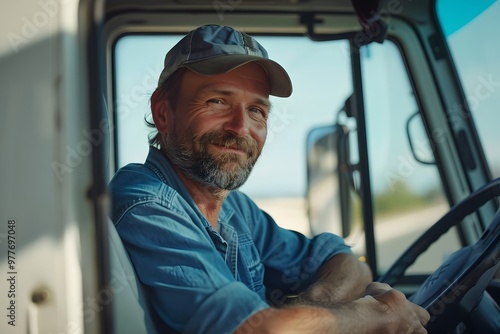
279	82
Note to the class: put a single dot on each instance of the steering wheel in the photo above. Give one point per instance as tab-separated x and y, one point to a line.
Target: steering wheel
455	292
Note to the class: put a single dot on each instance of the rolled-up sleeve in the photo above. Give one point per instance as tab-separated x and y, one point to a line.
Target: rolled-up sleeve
292	260
190	286
236	303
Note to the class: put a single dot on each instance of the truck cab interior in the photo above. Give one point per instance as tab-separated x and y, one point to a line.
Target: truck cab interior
388	140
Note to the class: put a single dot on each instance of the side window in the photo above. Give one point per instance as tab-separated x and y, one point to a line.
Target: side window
138	63
407	195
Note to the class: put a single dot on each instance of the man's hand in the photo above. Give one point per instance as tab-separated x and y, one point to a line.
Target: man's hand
393	312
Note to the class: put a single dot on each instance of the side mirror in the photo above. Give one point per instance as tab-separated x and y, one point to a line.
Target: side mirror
419	141
328	180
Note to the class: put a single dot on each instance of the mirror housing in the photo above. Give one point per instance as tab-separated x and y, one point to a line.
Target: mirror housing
369	15
328	180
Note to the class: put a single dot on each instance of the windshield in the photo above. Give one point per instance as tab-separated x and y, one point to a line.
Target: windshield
470	29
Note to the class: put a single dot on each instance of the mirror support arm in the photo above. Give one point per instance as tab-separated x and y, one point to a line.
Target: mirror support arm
365	185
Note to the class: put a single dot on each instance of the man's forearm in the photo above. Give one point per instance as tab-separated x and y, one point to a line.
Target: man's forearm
290	320
304	319
342	278
383	310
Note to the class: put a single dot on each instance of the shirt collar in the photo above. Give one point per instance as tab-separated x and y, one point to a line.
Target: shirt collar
163	168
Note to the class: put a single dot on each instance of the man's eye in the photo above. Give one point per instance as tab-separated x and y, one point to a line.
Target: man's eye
259	111
217	104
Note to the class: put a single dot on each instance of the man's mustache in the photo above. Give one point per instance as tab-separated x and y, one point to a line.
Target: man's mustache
245	144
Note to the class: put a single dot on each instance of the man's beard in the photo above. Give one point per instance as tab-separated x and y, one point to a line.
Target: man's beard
227	171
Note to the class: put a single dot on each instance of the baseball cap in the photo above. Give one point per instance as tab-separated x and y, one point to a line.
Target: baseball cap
216	49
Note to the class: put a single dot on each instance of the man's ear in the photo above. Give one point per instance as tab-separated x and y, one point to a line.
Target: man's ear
160	110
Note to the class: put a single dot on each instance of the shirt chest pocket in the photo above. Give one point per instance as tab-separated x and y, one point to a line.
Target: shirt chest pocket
252	265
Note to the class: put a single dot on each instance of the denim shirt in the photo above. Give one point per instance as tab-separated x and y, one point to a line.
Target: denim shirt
201	280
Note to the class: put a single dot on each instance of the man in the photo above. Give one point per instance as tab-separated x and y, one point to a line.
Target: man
209	259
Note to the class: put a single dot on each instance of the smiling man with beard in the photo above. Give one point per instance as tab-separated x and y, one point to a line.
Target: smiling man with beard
209	260
220	145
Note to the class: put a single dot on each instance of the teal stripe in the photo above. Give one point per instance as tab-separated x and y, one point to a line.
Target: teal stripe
454	14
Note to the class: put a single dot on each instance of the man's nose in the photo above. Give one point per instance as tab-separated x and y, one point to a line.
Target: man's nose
238	122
